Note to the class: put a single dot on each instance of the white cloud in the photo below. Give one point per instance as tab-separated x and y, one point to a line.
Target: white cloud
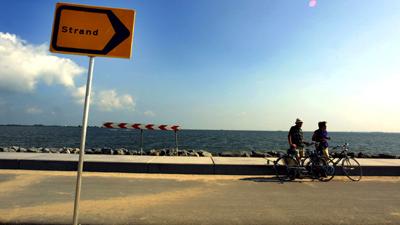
23	66
105	100
109	100
33	110
149	113
79	94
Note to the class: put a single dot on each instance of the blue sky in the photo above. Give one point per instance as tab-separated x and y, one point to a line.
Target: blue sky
247	65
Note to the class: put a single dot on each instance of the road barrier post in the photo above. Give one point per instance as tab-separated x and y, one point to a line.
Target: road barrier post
141	127
141	141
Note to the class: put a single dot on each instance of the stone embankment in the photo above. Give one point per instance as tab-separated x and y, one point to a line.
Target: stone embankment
173	152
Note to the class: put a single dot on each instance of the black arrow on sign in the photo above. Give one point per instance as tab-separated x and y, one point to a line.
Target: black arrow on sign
121	32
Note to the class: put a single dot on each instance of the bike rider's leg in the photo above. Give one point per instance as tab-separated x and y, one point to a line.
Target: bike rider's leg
293	153
298	155
301	153
325	153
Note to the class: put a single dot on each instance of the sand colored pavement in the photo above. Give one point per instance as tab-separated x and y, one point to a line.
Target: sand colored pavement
46	197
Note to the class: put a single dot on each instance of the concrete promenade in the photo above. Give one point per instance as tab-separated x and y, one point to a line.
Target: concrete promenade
46	197
170	164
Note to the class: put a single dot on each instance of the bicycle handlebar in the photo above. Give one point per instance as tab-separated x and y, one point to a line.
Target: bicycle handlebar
343	147
309	143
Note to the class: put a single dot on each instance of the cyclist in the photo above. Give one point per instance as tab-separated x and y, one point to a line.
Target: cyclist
296	140
321	137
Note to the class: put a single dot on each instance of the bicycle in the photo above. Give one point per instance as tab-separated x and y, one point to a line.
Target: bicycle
350	166
288	168
317	155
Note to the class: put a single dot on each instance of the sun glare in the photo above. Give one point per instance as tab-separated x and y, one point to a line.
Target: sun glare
312	3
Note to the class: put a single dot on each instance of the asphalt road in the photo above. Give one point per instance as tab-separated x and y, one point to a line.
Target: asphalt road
40	197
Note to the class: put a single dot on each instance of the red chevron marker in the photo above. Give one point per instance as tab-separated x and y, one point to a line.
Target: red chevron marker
175	128
122	125
150	126
136	126
140	126
108	125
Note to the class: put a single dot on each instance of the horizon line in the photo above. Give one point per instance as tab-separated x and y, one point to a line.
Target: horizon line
338	131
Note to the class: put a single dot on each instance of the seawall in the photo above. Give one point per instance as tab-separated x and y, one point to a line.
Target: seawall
170	164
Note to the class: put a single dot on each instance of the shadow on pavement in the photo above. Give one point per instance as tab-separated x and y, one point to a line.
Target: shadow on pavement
270	179
262	179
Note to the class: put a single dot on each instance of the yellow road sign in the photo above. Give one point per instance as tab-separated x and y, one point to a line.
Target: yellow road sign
92	30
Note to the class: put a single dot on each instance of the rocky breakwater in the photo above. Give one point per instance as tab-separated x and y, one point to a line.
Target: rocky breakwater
109	151
172	152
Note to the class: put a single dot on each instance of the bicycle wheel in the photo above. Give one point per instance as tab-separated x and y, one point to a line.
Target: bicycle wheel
320	169
352	169
284	168
329	170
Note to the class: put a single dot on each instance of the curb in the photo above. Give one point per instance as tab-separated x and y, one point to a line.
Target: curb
169	168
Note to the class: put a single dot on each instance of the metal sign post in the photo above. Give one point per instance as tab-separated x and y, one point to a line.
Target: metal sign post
141	141
176	141
83	140
92	31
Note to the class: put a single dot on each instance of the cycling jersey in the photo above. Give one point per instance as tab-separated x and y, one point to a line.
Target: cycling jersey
322	137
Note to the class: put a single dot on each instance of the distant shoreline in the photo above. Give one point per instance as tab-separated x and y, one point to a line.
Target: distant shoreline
95	126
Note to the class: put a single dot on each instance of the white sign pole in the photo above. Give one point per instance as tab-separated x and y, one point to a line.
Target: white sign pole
83	139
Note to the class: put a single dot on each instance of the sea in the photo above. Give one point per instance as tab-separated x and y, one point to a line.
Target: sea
214	141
